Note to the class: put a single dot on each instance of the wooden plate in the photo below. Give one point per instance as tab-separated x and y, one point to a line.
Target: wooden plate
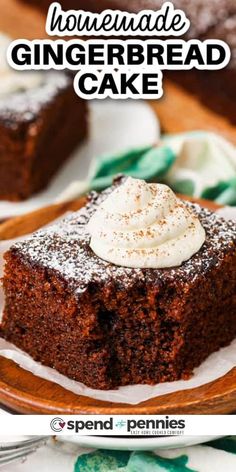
25	393
170	111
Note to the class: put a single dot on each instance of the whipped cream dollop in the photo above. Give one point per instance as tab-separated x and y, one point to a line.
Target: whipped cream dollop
143	225
12	81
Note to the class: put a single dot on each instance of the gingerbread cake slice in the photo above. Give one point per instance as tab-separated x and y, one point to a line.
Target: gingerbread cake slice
211	19
107	325
41	123
39	129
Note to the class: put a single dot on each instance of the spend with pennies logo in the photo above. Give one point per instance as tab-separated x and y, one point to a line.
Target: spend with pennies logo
57	425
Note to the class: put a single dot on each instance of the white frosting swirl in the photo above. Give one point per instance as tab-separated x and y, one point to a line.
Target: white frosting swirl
11	80
144	225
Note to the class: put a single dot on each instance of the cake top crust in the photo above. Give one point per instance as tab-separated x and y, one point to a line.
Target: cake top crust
212	19
226	31
64	248
202	14
24	106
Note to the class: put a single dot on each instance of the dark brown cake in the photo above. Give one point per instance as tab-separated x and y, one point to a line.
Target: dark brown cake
202	13
215	89
209	19
39	128
105	325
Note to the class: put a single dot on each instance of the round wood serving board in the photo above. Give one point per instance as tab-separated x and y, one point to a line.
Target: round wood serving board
23	392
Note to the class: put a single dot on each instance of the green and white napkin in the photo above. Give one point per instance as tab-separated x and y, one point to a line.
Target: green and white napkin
216	456
199	164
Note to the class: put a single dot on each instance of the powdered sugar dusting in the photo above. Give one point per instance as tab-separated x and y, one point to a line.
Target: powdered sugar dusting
226	31
209	19
64	248
25	105
202	14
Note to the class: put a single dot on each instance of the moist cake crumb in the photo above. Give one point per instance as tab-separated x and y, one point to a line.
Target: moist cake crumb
106	325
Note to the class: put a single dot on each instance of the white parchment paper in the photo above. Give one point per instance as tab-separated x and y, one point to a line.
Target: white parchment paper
215	366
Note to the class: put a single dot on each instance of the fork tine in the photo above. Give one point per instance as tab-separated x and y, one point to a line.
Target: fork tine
20	450
17	446
15	457
23	450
